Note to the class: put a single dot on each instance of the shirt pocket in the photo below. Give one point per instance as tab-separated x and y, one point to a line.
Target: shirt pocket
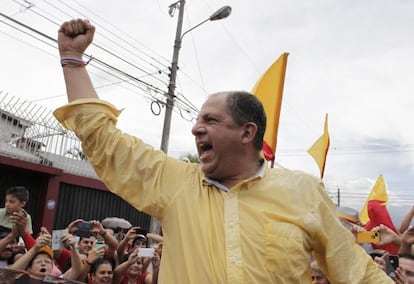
286	255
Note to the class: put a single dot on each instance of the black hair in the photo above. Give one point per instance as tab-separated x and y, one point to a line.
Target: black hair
245	107
98	263
139	239
20	192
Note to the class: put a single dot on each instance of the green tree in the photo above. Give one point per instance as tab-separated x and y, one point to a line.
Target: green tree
190	158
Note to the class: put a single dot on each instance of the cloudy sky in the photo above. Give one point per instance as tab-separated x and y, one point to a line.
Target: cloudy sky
350	59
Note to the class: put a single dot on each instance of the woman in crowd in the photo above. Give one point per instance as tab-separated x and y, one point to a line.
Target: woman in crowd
101	272
131	271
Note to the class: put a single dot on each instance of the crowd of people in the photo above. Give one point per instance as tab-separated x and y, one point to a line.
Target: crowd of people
74	253
229	219
79	257
390	248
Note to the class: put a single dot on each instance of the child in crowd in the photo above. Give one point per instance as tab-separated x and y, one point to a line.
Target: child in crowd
16	199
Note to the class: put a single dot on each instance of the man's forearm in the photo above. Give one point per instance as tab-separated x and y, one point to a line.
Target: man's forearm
78	83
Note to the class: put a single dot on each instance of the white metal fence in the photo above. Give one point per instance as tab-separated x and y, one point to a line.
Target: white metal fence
30	132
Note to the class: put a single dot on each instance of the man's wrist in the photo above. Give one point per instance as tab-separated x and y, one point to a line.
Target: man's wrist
72	54
68	61
103	233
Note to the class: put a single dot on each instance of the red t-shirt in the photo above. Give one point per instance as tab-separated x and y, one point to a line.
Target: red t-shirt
140	280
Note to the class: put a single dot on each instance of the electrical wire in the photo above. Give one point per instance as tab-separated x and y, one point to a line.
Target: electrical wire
181	104
197	60
95	43
111	67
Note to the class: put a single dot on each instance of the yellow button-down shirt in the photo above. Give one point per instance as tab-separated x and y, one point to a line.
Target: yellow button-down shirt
262	230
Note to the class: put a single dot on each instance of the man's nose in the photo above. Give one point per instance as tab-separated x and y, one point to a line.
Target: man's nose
198	129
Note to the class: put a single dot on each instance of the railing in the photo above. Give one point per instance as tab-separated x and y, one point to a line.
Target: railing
30	132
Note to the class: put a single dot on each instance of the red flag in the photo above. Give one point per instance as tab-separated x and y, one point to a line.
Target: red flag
378	193
269	90
375	213
319	149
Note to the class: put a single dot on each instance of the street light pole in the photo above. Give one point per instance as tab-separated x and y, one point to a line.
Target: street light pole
173	77
222	13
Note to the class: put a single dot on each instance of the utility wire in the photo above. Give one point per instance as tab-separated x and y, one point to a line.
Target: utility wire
352	150
101	69
128	62
156	89
181	103
197	60
166	62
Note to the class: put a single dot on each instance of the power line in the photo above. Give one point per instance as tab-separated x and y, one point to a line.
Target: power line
156	89
128	62
352	150
183	105
166	61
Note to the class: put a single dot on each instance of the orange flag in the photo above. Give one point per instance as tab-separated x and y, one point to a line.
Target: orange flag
269	90
319	149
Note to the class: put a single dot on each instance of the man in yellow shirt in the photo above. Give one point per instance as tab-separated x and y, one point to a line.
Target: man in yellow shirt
230	219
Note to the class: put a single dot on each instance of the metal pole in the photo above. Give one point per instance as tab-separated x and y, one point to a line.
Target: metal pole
339	197
172	84
218	15
155	226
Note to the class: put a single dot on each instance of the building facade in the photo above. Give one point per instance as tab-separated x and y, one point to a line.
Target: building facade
36	152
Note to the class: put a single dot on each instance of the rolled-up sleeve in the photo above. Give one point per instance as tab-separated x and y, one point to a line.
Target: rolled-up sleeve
341	259
130	168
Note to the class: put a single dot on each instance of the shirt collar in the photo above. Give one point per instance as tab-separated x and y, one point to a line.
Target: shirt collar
220	186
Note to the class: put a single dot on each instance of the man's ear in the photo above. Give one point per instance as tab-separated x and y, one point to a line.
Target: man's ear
250	130
23	203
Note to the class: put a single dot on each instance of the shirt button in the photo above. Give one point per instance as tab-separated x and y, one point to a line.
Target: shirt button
235	260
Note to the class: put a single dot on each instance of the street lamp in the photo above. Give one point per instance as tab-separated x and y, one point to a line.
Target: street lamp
221	13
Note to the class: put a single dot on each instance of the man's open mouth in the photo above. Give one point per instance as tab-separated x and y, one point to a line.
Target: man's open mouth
205	148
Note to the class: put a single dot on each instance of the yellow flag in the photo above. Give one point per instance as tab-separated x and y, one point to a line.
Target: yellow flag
378	193
319	149
269	90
